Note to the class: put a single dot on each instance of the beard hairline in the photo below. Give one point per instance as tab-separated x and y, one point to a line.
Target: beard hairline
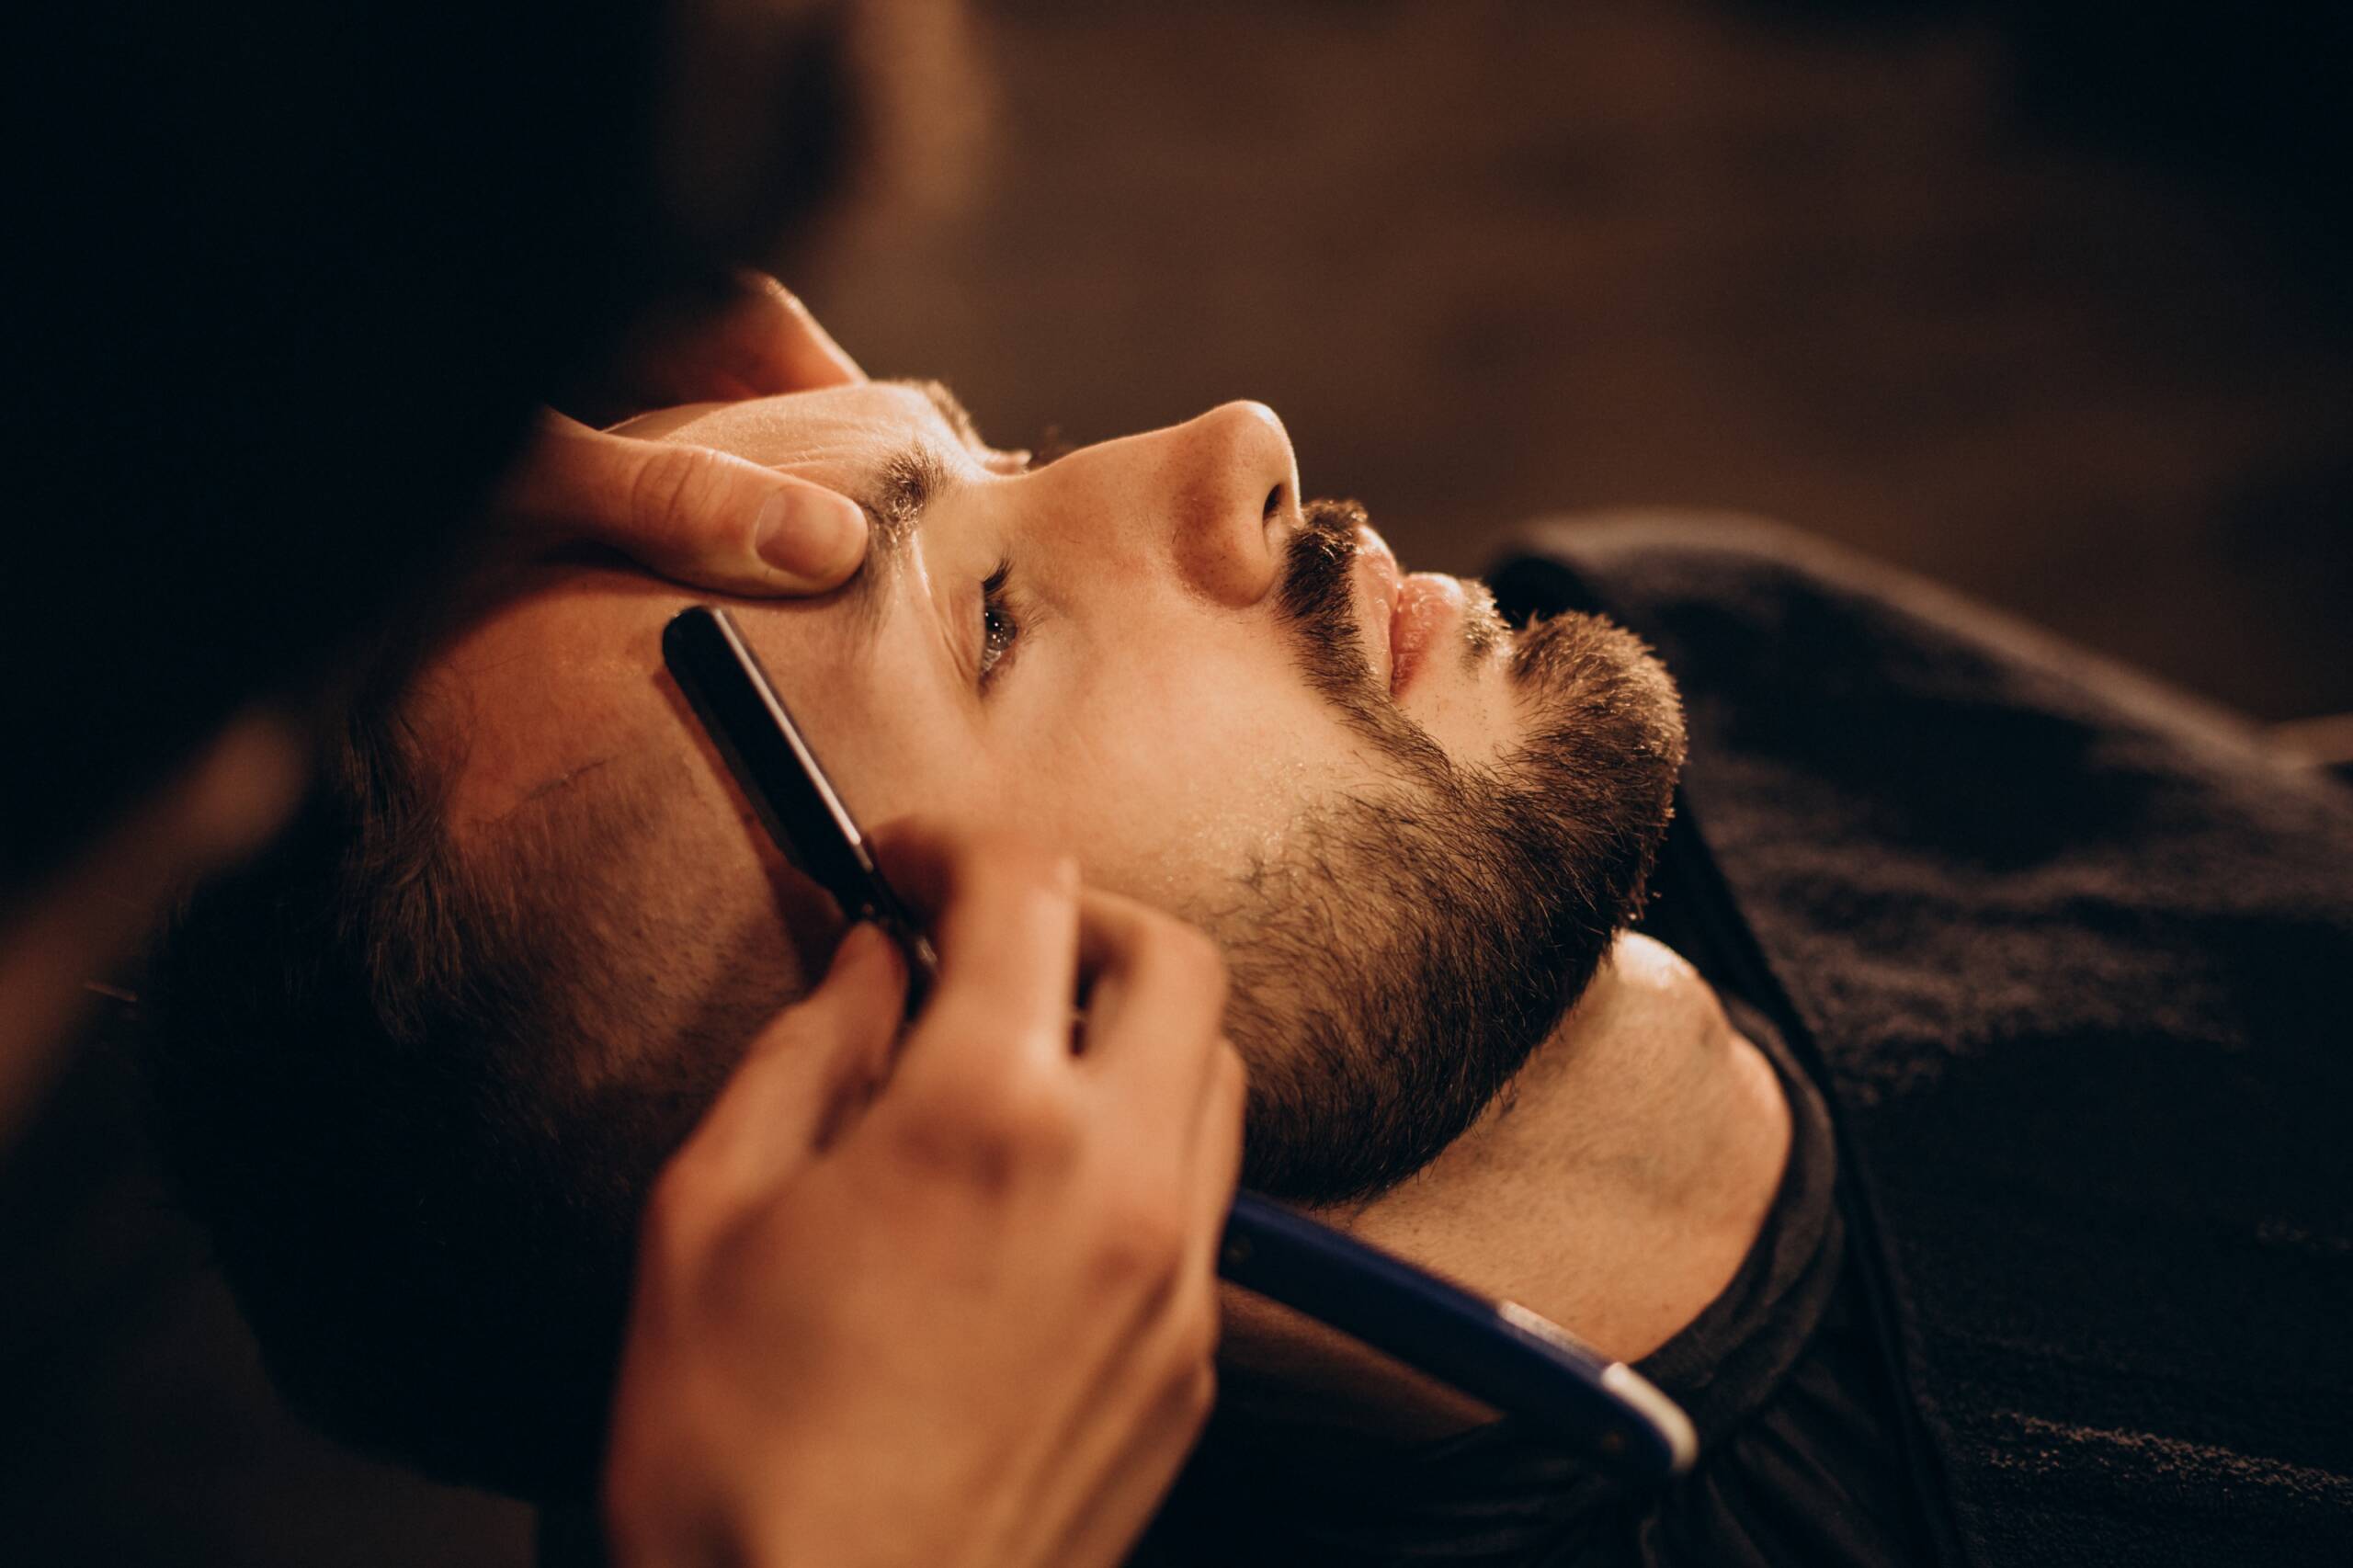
1315	1074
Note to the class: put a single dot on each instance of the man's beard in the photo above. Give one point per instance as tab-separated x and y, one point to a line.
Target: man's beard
1396	963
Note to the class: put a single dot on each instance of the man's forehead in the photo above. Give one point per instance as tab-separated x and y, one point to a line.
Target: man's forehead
840	425
562	677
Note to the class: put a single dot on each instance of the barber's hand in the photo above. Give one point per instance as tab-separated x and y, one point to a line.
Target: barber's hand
695	515
968	1325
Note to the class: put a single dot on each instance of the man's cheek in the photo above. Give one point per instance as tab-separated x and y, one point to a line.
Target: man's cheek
1168	803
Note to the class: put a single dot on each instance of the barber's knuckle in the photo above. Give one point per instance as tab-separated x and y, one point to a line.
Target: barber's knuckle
1141	1241
991	1133
930	1140
1012	860
668	488
1035	1117
993	847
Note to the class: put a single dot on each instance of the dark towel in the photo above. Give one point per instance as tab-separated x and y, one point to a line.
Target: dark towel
2072	960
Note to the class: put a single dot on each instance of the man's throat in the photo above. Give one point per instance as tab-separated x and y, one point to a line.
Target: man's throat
1616	1188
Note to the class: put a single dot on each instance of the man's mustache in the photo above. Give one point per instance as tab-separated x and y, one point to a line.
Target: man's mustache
1318	599
1319	603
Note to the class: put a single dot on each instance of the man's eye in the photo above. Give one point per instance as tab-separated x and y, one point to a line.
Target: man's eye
999	628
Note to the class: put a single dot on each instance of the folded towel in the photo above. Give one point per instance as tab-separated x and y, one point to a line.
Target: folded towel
2073	958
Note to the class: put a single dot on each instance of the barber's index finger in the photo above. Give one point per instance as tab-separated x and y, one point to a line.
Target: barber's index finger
1007	937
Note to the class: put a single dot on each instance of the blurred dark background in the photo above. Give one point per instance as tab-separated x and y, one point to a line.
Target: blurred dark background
2048	302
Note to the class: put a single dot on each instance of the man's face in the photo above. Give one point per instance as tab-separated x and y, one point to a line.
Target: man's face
1411	827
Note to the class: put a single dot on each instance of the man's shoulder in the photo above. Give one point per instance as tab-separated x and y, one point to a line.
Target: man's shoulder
2072	953
1707	550
1847	718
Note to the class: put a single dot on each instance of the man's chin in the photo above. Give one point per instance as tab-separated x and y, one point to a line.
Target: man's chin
1589	671
1395	970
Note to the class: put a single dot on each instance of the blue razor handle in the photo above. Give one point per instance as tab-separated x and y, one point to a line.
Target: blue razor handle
1497	1352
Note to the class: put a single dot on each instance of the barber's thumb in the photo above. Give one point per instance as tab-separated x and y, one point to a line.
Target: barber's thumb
716	521
701	517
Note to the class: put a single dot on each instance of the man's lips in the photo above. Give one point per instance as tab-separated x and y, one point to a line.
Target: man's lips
1427	603
1409	610
1379	608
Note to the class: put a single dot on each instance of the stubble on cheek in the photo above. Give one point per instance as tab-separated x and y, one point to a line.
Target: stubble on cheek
1173	777
1399	958
1183	836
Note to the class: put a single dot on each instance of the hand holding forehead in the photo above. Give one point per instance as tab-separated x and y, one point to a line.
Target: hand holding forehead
694	514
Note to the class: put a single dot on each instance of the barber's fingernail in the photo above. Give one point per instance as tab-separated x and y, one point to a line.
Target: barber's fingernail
809	533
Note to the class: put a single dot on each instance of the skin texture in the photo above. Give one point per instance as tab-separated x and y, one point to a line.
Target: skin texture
1186	687
1007	1353
1043	1225
1154	718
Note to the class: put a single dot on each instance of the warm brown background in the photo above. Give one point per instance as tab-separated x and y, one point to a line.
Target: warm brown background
2056	313
2090	361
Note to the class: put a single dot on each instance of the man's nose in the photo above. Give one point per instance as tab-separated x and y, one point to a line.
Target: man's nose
1232	495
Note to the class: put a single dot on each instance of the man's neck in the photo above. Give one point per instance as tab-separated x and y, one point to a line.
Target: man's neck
1615	1188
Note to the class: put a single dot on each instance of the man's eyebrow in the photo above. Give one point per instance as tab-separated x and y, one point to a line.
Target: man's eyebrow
903	486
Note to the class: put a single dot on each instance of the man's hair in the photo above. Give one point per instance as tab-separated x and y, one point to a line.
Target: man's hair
389	1077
